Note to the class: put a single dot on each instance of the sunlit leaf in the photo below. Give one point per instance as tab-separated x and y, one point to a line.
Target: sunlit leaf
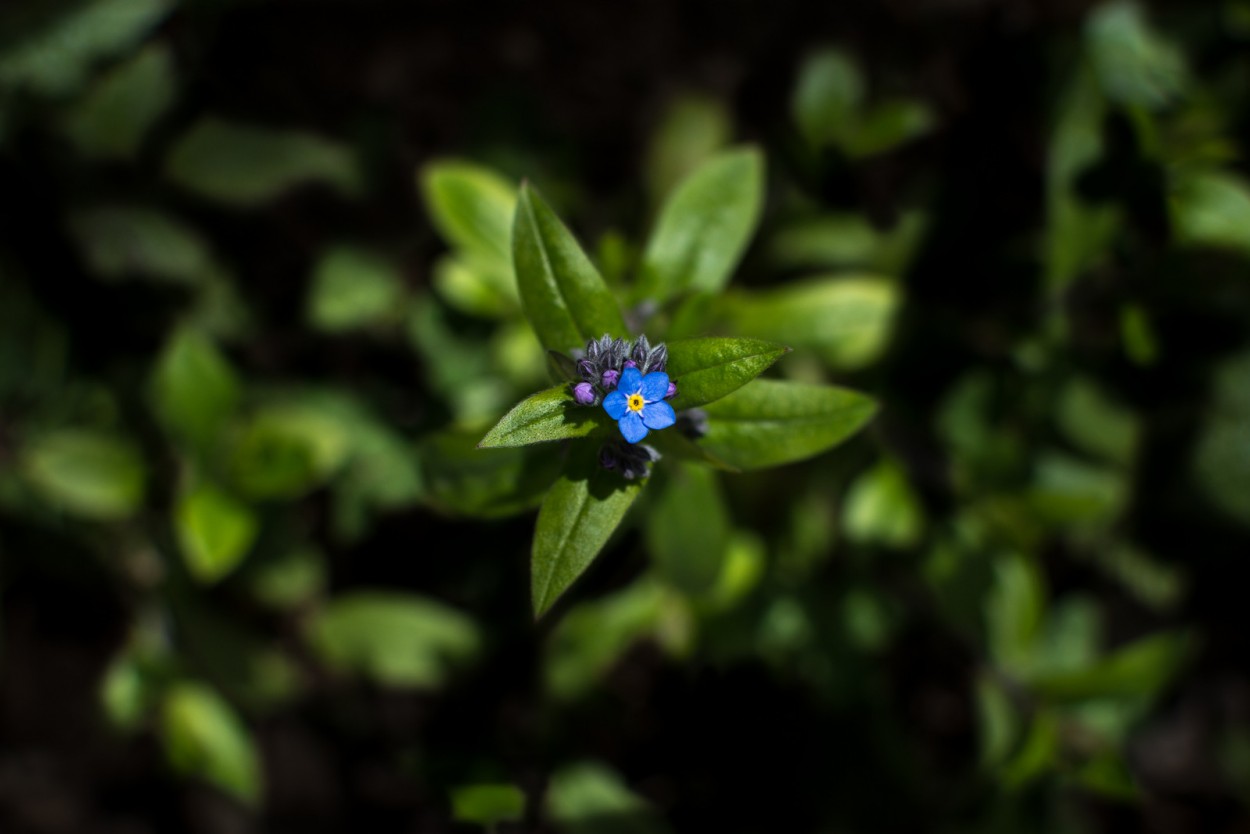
882	508
215	532
194	389
471	205
692	128
562	294
770	422
548	415
204	738
1212	209
89	474
704	227
1134	63
392	638
705	370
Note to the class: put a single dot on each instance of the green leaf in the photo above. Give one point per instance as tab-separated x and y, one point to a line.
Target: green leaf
1095	423
214	532
827	97
1014	612
243	165
540	418
562	294
1212	209
692	129
353	288
771	422
487	805
462	480
476	285
204	738
704	227
882	508
194	389
1221	456
115	115
58	59
687	529
847	319
123	241
394	639
578	515
88	474
707	369
886	126
285	450
1135	65
471	206
288	580
1141	668
589	798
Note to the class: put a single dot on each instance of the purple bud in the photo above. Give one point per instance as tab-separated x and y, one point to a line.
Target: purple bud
610	378
584	393
672	391
629	363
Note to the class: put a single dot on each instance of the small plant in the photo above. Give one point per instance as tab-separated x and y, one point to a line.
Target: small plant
693	400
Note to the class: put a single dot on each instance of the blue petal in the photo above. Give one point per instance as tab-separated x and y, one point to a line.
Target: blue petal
658	415
654	386
632	428
616	404
631	381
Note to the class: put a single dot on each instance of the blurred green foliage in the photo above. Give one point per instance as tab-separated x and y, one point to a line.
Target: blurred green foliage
258	441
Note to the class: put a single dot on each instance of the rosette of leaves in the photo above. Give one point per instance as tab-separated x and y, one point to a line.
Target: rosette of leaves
742	423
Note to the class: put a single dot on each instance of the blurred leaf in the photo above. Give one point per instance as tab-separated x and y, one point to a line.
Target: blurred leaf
465	480
579	513
246	166
887	125
707	369
769	422
704	227
1154	583
1069	492
1221	459
285	450
848	320
561	292
120	241
594	635
1140	343
998	721
882	508
458	365
57	59
1077	234
1096	424
841	241
1036	755
543	417
120	108
487	805
125	694
1140	669
204	738
588	798
692	129
1108	774
867	620
353	288
86	473
290	580
1014	612
394	639
827	97
194	389
471	206
478	286
745	560
688	528
1134	64
1212	209
214	532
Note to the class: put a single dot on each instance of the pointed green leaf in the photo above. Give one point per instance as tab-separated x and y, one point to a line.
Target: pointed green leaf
205	738
214	532
707	369
88	474
548	415
704	226
194	389
562	293
578	515
471	206
771	422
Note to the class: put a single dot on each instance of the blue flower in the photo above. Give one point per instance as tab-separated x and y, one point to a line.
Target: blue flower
638	404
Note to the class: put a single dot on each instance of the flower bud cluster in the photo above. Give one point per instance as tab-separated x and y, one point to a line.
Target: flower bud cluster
633	461
600	366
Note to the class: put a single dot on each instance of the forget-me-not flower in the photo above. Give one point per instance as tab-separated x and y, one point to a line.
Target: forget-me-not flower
638	404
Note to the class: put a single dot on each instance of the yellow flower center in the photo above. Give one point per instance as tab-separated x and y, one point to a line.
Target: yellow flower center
635	402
